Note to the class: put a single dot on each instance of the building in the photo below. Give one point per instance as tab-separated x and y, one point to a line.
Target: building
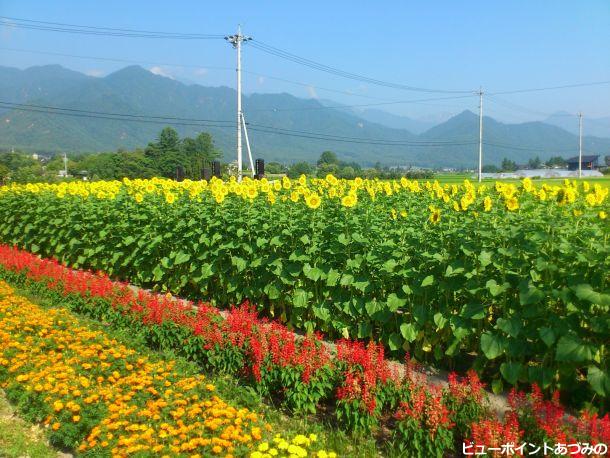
589	162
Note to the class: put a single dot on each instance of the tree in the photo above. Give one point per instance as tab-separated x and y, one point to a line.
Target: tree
275	168
197	153
490	168
556	161
508	165
328	157
165	154
300	168
534	163
607	160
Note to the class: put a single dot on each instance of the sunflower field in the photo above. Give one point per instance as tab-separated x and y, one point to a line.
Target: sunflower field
510	279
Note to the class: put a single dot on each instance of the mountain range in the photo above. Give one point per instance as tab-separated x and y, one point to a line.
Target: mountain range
281	127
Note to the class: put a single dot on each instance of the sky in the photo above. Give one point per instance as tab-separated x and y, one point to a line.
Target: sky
448	45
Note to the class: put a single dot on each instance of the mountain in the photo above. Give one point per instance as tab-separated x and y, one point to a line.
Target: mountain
194	108
395	121
599	127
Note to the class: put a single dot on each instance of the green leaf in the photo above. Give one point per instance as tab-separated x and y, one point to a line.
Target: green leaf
239	263
530	295
572	349
497	386
408	331
440	321
332	277
299	298
485	258
429	280
347	280
496	289
492	345
343	240
395	341
599	380
157	273
586	293
181	258
395	302
547	335
511	326
511	371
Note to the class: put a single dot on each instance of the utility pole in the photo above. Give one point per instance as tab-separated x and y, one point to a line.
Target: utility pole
480	134
236	40
580	144
65	165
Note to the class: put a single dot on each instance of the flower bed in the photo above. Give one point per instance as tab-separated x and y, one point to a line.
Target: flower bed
103	398
505	279
358	382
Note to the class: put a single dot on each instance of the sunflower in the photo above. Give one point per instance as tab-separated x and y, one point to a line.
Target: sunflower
512	204
170	198
313	201
435	215
602	215
487	203
139	197
349	200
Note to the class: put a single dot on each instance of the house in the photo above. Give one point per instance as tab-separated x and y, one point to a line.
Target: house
589	162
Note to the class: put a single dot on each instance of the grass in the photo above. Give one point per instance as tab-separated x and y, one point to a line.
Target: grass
21	439
232	390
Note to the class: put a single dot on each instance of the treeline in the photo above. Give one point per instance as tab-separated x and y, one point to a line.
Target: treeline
160	158
508	165
330	163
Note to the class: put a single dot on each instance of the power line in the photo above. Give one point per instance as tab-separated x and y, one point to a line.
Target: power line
127	115
394	102
550	88
217	123
30	24
338	72
168	64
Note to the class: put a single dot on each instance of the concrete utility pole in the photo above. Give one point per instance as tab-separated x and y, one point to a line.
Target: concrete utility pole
480	134
579	144
65	165
236	40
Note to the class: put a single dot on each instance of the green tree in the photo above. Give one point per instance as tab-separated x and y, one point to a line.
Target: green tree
534	163
328	157
275	168
165	154
490	168
556	161
300	168
198	152
508	165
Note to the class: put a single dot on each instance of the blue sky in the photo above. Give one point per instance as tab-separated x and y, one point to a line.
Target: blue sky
450	45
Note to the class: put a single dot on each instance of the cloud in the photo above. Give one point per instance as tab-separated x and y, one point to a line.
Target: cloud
201	71
94	72
312	92
260	80
156	70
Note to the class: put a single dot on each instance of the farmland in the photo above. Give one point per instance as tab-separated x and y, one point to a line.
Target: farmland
507	280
